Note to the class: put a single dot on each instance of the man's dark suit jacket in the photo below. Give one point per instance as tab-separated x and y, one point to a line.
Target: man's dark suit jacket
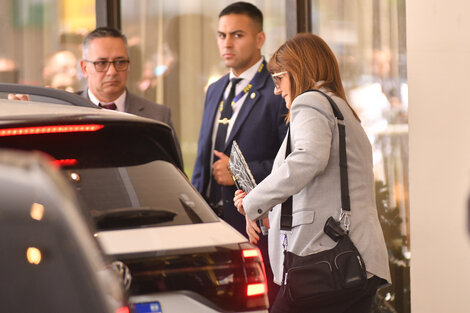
259	131
142	107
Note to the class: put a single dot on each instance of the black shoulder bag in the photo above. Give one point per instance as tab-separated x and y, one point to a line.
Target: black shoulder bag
324	277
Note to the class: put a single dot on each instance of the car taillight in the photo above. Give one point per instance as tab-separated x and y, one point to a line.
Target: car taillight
64	162
51	129
231	277
256	289
251	253
255	273
124	309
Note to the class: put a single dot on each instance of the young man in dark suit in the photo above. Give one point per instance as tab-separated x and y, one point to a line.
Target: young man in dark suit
255	118
105	65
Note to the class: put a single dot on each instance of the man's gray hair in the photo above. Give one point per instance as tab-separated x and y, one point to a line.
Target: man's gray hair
101	32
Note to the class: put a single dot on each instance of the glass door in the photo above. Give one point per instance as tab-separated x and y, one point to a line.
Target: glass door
369	40
173	48
41	41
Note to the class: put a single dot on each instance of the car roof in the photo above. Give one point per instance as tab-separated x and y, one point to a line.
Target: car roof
59	96
28	111
56	107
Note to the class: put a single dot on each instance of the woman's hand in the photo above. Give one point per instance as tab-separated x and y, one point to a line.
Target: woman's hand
238	201
252	230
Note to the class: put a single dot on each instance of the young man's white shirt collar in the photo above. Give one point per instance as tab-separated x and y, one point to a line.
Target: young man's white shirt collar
119	102
246	77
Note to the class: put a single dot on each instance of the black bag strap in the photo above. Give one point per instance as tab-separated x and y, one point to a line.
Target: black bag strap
286	210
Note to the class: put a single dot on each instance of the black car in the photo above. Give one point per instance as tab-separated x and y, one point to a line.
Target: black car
49	262
174	253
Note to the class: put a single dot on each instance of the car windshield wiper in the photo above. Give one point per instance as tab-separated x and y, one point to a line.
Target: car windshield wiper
131	218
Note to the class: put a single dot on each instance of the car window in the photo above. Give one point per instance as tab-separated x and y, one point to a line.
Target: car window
114	144
153	193
123	172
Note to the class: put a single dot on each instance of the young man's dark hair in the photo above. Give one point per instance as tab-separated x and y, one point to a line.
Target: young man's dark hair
102	32
244	8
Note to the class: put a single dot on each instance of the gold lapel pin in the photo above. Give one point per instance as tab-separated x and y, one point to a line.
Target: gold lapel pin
253	95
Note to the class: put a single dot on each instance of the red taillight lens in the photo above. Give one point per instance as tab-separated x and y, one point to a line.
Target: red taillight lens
52	129
255	273
124	309
64	162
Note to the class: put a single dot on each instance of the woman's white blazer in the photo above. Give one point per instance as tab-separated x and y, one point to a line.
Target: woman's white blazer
311	174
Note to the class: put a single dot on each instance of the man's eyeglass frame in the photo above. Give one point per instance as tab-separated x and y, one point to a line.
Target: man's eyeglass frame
277	79
120	65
